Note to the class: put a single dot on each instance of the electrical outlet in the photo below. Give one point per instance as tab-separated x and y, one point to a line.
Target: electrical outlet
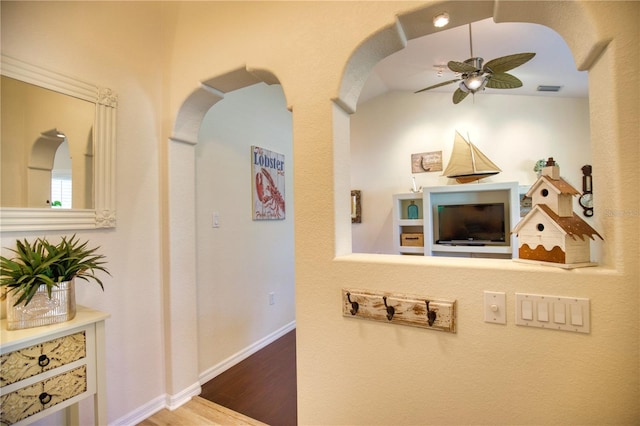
272	298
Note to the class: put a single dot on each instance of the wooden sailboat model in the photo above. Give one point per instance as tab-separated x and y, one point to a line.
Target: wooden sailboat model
468	163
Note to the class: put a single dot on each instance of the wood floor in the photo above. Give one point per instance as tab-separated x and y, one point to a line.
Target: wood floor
259	391
263	386
199	412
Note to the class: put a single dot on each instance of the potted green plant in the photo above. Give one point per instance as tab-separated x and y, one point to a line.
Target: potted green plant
40	280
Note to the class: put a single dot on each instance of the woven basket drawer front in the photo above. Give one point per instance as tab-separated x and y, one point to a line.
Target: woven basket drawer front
27	401
27	362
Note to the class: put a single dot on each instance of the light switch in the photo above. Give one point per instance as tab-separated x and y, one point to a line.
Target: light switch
495	307
216	220
543	311
559	313
576	315
527	310
553	312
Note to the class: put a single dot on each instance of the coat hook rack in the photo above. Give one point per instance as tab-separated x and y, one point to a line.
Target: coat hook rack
354	305
400	309
431	315
390	309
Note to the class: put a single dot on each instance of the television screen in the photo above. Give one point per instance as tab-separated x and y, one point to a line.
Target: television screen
471	224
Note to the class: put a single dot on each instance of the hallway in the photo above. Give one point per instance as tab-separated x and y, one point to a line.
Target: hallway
263	386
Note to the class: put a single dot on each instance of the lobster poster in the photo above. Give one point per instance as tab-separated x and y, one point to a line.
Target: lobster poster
268	184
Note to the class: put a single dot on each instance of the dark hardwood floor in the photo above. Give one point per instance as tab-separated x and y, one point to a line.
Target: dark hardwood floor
263	386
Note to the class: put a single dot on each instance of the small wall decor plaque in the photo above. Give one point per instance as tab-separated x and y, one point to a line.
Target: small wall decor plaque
267	168
426	162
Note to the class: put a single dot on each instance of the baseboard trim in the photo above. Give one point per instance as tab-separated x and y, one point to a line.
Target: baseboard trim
234	359
184	396
142	413
171	402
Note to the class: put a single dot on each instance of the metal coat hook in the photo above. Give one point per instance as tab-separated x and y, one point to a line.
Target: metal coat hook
431	315
390	309
354	305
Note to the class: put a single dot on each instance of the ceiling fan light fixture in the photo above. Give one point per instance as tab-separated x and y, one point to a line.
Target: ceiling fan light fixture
441	20
473	83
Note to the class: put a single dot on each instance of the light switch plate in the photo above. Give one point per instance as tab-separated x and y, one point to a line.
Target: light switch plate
553	312
495	307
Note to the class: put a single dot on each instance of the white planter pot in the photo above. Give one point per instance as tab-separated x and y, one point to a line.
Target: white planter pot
42	310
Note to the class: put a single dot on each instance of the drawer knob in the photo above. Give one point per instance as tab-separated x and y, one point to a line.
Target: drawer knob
45	398
43	361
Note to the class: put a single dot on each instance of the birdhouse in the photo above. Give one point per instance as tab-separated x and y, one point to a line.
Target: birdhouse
551	232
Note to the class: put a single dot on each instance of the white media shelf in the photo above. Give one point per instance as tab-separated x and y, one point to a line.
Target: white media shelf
403	225
427	223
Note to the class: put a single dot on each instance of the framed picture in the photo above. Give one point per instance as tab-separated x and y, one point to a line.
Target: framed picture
525	204
267	181
426	162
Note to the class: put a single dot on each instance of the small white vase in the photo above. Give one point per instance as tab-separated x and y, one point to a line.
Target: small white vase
42	310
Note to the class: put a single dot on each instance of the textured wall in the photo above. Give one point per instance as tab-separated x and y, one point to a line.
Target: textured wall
154	55
380	374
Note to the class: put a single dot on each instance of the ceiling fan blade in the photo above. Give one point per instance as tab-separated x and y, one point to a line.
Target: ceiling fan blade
461	67
458	96
444	83
506	63
503	80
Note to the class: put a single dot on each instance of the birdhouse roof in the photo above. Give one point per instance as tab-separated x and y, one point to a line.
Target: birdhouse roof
572	226
560	186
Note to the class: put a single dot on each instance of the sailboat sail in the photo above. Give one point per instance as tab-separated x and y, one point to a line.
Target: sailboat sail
468	163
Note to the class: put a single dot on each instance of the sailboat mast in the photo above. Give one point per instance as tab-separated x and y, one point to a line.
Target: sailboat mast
473	154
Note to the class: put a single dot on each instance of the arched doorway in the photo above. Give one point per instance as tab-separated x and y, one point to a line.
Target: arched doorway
183	349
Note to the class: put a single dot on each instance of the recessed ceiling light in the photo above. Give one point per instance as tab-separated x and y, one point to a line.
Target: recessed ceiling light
441	20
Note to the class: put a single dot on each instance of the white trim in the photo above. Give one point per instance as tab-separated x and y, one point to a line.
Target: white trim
171	402
182	397
143	412
158	403
245	353
103	215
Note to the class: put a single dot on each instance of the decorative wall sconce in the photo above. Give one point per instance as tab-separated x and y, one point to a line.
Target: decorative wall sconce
356	207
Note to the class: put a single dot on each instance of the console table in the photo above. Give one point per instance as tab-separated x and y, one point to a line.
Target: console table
50	368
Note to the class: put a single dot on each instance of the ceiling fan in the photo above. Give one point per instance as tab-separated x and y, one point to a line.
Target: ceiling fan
474	76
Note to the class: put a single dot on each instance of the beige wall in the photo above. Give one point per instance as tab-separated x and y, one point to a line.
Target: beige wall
112	45
349	371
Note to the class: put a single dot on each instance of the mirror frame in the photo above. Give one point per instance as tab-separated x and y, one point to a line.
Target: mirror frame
103	215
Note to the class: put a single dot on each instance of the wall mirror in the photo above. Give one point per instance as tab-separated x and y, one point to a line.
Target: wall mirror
57	151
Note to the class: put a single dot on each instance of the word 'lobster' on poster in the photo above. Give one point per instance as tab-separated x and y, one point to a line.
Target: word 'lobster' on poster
268	184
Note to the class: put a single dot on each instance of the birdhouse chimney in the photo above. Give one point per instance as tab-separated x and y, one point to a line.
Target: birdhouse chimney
551	169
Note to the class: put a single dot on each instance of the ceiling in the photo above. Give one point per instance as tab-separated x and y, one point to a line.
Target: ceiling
414	67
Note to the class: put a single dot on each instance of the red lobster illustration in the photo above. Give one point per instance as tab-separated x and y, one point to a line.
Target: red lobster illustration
270	197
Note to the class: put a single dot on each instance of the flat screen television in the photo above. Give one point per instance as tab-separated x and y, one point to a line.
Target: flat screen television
472	224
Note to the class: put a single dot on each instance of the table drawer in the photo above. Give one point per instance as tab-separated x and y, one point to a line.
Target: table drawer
27	401
33	360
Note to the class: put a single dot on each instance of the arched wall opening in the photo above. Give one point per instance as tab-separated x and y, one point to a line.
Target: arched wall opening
186	368
244	266
585	50
513	129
